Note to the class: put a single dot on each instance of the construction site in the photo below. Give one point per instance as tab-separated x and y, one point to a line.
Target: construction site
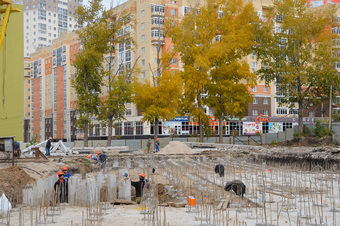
284	185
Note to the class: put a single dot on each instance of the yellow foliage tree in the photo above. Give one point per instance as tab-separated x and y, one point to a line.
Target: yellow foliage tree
218	36
159	100
296	50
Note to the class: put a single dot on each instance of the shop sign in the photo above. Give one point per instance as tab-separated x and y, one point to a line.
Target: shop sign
180	119
235	119
262	118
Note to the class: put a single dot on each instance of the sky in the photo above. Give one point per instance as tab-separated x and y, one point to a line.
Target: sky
107	3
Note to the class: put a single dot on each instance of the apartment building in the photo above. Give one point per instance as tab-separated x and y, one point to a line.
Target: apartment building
52	100
45	20
51	97
27	99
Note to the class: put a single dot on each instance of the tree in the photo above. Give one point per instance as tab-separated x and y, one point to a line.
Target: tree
155	110
159	101
87	80
296	51
228	87
118	82
218	36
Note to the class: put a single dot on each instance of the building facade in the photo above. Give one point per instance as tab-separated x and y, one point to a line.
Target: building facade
52	100
45	20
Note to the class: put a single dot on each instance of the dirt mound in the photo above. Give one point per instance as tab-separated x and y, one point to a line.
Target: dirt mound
309	141
12	181
176	147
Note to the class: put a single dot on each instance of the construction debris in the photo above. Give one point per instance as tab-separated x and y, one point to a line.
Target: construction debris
57	149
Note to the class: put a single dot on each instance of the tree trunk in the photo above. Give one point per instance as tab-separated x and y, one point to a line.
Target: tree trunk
220	129
86	134
156	130
109	132
200	126
300	115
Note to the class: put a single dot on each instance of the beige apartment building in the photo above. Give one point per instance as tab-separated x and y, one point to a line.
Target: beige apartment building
51	102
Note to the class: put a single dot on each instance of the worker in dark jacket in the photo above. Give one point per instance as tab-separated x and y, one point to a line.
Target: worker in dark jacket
139	185
48	146
220	170
61	188
237	186
102	159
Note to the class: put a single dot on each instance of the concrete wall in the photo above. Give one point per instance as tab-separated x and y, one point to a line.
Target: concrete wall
139	144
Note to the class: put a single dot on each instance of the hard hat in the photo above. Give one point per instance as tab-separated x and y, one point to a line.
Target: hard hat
142	175
157	139
64	168
149	138
98	153
60	173
89	156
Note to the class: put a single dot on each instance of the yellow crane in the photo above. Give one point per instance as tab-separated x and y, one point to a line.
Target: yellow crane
4	19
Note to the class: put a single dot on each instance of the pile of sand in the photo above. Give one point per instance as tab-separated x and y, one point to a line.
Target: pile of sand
176	147
12	181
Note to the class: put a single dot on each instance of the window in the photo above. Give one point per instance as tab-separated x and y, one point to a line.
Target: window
143	49
186	10
143	13
255	113
143	38
255	100
156	49
265	112
265	100
118	129
156	60
143	62
174	12
255	89
127	29
311	114
143	74
293	111
139	128
157	20
156	33
143	25
128	111
281	111
265	89
128	128
174	61
157	8
253	65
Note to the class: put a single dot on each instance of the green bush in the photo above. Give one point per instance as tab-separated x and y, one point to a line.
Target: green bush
307	132
318	128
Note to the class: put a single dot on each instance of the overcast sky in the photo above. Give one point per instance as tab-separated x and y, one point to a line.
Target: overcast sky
107	3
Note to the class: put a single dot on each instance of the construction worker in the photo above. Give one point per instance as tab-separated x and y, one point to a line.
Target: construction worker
61	188
92	157
102	159
48	146
139	185
148	145
66	174
157	145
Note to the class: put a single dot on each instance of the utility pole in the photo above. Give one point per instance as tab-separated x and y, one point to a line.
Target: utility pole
330	109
